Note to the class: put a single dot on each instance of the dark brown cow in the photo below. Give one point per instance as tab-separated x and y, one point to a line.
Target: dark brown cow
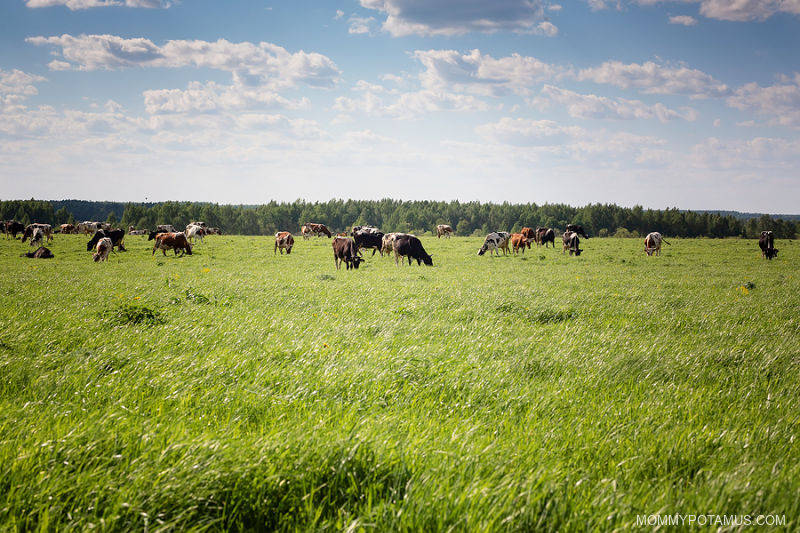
411	247
68	229
12	227
284	240
545	235
171	241
40	253
345	251
767	244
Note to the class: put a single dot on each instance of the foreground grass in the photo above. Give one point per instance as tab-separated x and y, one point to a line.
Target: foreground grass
238	390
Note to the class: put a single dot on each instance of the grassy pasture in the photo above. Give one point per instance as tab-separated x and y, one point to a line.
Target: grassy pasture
236	389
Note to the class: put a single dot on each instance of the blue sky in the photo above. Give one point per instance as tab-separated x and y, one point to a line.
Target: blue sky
692	104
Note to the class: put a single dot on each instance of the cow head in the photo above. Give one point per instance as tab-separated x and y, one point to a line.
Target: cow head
356	260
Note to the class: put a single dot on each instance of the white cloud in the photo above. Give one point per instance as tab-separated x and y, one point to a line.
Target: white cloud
590	106
212	97
730	10
482	74
781	101
652	78
87	4
406	106
683	20
263	63
757	153
566	141
448	17
361	25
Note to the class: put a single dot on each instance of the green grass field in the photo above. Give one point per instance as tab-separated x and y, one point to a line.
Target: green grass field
236	389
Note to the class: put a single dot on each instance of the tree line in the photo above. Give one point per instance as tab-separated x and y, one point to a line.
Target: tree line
419	217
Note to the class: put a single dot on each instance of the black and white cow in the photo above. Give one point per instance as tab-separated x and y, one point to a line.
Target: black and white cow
368	239
494	241
116	236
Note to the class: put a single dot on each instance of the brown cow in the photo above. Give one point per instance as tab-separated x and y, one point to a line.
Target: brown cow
40	253
652	243
68	229
171	241
518	241
284	241
530	235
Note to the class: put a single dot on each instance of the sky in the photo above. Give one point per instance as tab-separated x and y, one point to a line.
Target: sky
693	104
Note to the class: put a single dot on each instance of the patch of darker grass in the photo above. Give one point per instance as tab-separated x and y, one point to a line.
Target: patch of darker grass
133	314
547	315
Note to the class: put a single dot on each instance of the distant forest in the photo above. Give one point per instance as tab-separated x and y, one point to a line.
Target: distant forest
466	218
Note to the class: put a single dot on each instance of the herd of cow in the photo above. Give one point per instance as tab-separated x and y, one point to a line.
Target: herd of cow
346	248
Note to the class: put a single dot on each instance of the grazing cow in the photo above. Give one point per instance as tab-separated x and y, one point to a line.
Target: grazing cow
652	243
67	228
518	241
571	243
104	247
40	253
284	241
165	228
193	230
13	227
545	235
198	223
364	229
387	243
305	231
87	228
37	236
213	231
364	239
767	244
530	235
577	228
345	251
319	229
171	241
494	241
411	247
116	236
47	230
444	229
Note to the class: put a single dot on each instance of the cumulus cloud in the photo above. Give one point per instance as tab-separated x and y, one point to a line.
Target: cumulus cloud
683	20
212	97
568	141
455	17
482	74
87	4
16	86
590	106
731	10
759	152
407	105
781	102
652	78
255	64
361	25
